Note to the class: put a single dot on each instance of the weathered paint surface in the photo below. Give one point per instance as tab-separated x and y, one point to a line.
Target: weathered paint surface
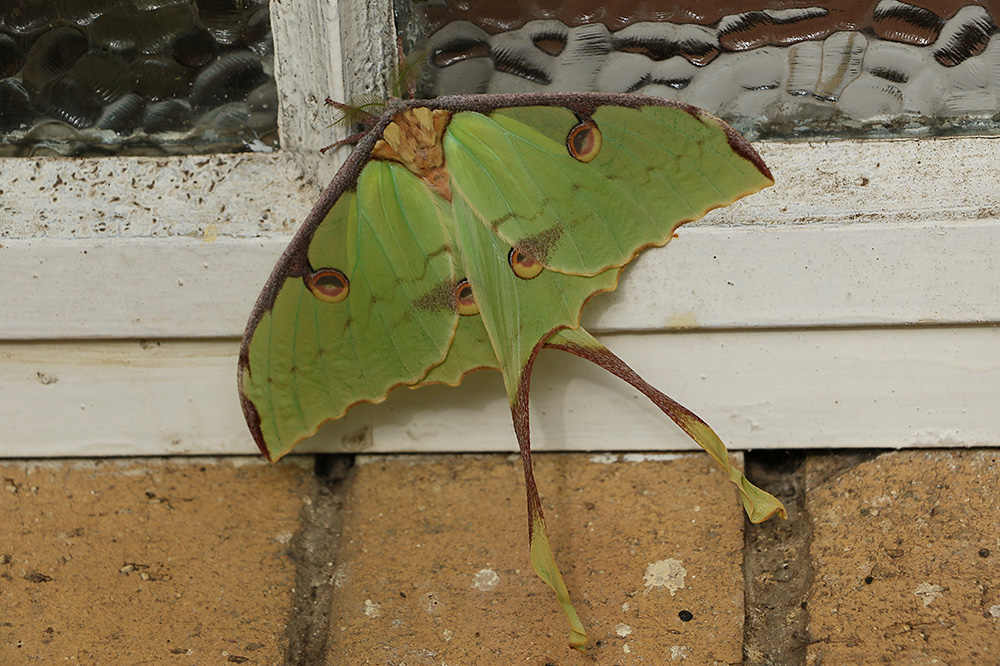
921	387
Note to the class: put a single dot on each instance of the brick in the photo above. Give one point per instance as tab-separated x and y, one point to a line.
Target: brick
179	561
434	568
905	555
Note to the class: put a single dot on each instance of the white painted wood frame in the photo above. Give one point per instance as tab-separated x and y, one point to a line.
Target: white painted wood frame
854	304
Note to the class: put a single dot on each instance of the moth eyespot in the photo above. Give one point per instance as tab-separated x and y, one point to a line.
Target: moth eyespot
465	299
584	141
523	266
328	285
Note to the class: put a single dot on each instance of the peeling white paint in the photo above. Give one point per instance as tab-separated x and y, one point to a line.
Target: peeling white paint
129	197
995	611
940	437
669	573
928	592
687	319
651	457
485	580
609	458
623	630
180	394
372	609
678	652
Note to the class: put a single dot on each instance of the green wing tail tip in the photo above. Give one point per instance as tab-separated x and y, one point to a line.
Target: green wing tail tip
542	559
758	504
544	564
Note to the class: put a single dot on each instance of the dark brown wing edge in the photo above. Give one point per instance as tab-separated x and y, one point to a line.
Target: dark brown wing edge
584	104
294	262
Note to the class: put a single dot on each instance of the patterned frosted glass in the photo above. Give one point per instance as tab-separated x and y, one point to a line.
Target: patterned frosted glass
153	77
773	69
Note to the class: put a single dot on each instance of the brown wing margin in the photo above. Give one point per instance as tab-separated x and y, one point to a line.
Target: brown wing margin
294	260
584	105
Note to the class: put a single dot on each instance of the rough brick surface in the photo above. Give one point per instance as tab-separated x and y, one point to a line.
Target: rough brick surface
906	558
189	561
175	562
434	567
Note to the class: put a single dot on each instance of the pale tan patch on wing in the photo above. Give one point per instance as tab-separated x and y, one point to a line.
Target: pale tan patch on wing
414	139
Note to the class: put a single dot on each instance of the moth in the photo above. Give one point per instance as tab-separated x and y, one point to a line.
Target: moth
467	233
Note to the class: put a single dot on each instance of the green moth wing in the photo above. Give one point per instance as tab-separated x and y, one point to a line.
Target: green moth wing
312	356
468	232
583	217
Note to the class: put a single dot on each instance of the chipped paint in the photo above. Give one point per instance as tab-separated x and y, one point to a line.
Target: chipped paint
623	630
928	592
128	197
609	458
669	573
686	319
995	611
46	379
939	437
372	609
651	457
210	234
358	440
485	580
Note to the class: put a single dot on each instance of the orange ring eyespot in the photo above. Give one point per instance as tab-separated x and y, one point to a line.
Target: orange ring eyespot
465	300
328	285
524	267
584	141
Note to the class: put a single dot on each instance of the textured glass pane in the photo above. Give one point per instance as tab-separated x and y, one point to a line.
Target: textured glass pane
773	69
151	77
